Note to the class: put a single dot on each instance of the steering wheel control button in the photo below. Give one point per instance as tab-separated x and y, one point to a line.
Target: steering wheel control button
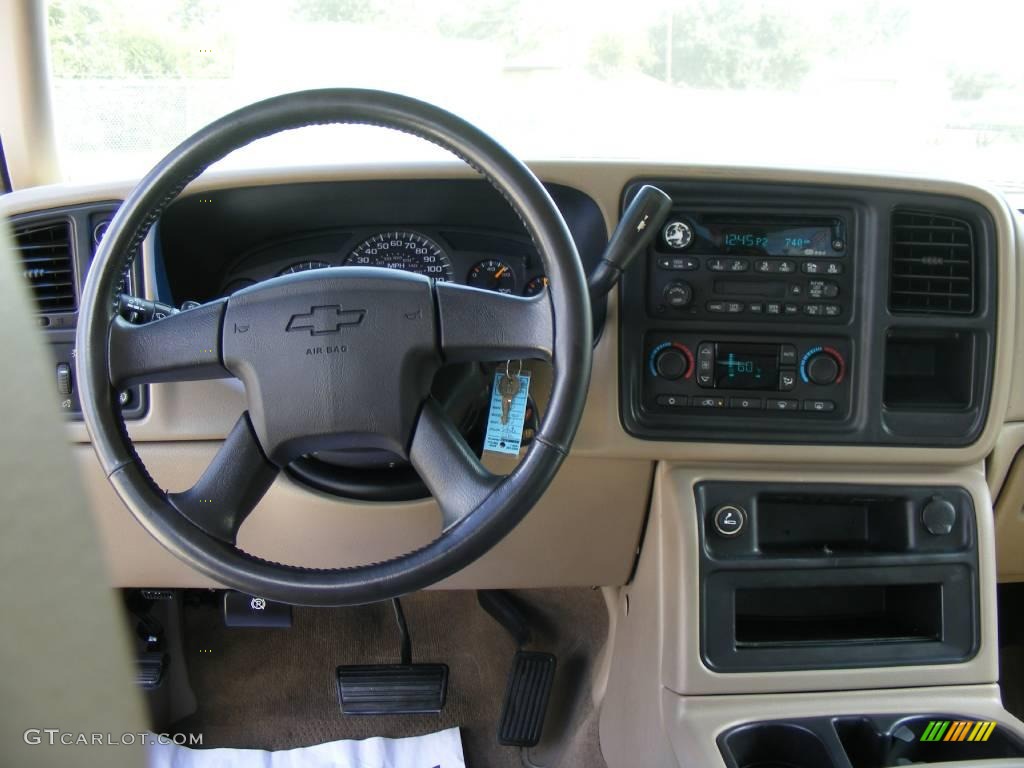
677	235
939	516
678	294
729	520
241	610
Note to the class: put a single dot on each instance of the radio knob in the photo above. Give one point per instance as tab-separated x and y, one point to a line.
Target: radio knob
678	294
671	363
822	369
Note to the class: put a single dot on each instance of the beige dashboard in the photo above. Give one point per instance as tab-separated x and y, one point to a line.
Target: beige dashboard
605	487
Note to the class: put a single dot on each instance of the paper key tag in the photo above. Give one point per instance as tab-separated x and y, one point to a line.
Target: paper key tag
507	437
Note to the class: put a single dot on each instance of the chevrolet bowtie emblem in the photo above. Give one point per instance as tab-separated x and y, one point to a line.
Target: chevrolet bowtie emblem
320	321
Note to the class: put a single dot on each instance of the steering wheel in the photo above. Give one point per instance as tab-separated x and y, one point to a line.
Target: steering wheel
331	359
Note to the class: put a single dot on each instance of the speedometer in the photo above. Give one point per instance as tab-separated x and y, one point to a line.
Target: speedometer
408	251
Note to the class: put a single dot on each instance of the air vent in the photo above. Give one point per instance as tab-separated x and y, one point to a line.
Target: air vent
45	250
932	268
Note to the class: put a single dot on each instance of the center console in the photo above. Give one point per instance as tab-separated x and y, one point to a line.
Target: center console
809	315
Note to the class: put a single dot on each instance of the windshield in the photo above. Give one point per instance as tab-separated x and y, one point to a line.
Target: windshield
902	86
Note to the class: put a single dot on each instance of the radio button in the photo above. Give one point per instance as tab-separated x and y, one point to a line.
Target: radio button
822	289
783	405
766	266
745	403
774	308
794	290
733	307
792	309
717	265
833	310
833	268
678	263
671	401
756	308
709	402
787	354
787	380
814	310
812	268
786	267
819	406
739	265
716	306
678	294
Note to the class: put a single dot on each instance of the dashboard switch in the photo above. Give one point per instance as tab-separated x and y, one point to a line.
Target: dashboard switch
678	294
939	516
729	520
64	379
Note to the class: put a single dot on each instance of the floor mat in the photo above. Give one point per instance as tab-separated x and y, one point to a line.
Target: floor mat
275	689
441	750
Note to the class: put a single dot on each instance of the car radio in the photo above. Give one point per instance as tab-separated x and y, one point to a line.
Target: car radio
743	266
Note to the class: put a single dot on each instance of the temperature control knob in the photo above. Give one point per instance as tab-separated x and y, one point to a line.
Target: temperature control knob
678	294
822	366
671	361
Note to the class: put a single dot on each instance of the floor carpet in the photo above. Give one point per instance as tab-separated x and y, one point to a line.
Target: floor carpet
275	689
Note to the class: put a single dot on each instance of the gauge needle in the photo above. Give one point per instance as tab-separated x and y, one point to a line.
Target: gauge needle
500	272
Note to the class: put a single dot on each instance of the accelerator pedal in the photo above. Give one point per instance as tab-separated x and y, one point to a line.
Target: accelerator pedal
393	689
530	679
526	699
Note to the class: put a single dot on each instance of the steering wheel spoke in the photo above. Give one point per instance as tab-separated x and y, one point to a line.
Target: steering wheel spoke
182	347
448	466
231	487
481	326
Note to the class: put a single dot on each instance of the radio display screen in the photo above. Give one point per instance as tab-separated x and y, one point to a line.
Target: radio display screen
766	239
747	366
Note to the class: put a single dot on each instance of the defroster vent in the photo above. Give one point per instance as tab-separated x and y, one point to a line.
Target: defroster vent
933	264
46	258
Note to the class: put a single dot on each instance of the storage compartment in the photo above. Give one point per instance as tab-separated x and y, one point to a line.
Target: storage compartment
928	369
877	613
883	742
775	745
849	524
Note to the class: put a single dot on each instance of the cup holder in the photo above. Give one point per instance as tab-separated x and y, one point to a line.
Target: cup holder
884	742
776	745
867	741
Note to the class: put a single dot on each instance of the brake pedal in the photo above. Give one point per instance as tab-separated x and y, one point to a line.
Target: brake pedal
393	689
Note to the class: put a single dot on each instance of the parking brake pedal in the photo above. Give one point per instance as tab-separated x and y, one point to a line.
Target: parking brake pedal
530	680
393	689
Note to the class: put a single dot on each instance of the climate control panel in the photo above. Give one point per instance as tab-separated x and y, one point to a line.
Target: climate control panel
687	373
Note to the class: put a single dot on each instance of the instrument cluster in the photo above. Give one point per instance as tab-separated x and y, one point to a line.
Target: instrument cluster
482	260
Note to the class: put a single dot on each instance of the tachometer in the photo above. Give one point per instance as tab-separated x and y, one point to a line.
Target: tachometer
408	251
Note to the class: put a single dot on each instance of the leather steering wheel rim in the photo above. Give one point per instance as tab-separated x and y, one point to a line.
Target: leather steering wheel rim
479	509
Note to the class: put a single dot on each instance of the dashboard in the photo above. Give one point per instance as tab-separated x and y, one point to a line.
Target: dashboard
702	288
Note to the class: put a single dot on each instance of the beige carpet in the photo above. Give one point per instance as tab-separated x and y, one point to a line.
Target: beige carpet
275	689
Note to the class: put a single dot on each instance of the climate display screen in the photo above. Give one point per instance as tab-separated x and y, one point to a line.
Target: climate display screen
747	366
